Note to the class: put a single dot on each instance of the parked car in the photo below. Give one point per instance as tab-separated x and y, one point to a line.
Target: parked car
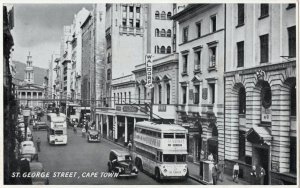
37	167
39	125
29	134
28	151
121	162
93	136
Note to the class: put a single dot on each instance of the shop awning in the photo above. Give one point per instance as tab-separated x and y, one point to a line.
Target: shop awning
258	135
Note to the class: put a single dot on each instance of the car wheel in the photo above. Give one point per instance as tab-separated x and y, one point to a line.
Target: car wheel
157	175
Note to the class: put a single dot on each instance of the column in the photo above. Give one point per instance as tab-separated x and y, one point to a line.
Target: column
116	127
107	126
26	98
126	131
101	124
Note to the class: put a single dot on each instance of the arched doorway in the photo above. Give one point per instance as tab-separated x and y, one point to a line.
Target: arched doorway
212	142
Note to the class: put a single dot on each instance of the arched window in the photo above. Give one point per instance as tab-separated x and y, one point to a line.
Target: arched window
169	33
242	100
108	74
163	15
157	32
168	49
266	95
156	15
169	15
157	49
163	33
162	50
293	100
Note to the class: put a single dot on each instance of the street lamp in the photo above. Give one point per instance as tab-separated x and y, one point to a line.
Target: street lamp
26	114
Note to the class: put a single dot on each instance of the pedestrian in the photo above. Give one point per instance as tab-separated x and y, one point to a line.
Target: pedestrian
38	144
221	170
236	170
253	175
129	145
83	132
75	128
215	173
262	174
210	157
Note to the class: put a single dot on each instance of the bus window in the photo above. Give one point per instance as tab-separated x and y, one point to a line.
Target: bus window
181	158
168	135
180	135
169	158
59	132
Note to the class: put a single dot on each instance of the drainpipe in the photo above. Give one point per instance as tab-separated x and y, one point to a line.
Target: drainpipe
224	80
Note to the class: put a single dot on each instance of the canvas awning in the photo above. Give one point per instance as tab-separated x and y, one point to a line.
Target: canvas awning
258	135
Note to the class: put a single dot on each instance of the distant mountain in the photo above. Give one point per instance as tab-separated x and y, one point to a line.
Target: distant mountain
39	73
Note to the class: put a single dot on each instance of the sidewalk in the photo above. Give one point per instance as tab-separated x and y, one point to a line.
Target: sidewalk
194	174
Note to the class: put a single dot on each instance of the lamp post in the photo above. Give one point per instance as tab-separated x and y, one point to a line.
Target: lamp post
26	114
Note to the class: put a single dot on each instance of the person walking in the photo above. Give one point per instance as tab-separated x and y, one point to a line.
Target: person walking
215	173
253	175
261	175
221	170
38	144
236	170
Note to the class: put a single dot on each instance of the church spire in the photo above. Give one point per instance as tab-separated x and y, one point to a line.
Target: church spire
29	74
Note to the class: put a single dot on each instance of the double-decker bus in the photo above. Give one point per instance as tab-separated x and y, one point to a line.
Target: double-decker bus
57	128
161	150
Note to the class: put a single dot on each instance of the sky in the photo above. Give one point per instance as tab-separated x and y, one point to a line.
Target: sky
38	29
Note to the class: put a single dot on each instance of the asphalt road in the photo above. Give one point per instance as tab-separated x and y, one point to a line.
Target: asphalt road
83	157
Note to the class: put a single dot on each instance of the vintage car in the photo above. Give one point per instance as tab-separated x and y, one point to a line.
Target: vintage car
39	125
121	162
28	151
37	168
29	134
93	136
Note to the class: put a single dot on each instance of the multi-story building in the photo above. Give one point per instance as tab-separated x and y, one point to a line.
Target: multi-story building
201	68
52	77
76	43
260	90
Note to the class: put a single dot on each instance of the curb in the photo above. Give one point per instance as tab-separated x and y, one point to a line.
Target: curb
191	177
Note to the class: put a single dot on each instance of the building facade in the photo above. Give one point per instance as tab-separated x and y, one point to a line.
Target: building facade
52	76
201	68
260	90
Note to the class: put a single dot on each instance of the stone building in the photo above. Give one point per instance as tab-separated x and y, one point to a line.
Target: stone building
260	90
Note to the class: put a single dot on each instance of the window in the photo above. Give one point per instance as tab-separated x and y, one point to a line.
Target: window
242	145
292	41
196	98
168	93
212	57
108	74
125	97
242	100
293	101
168	135
163	33
169	15
241	14
114	98
156	15
163	15
124	22
169	33
137	23
124	9
138	9
130	22
162	50
266	95
183	94
213	23
157	49
118	98
293	155
168	49
291	5
129	97
157	32
212	93
197	60
198	25
121	98
264	10
240	54
185	34
139	95
130	8
169	158
179	135
185	63
264	48
159	94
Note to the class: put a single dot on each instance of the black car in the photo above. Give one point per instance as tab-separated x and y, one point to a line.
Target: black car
93	136
121	162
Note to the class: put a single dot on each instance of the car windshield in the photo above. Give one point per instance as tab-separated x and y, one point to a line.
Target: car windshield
125	158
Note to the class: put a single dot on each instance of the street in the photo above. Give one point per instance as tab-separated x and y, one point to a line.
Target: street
80	156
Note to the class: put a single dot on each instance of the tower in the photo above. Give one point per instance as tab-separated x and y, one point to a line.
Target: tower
29	74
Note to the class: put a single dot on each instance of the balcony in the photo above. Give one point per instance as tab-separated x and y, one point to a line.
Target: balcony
131	30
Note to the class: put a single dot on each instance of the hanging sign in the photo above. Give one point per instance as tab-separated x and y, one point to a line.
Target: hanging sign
148	61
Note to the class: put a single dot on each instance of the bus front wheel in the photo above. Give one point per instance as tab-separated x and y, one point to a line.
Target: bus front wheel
157	174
